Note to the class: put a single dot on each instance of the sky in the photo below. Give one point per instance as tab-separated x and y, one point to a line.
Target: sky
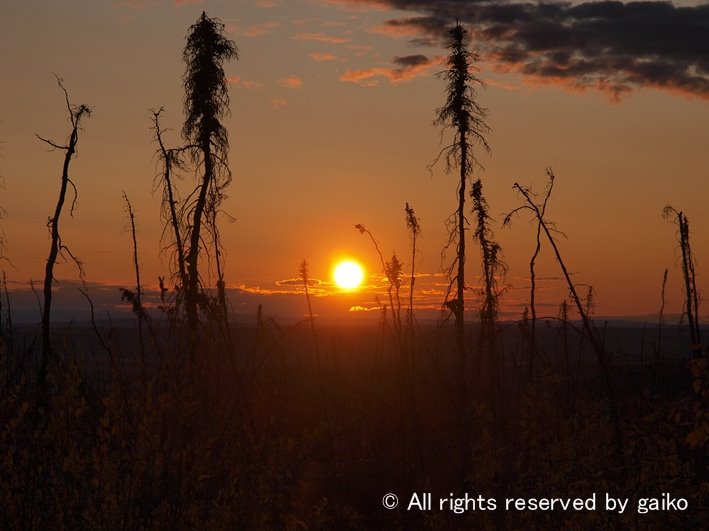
332	109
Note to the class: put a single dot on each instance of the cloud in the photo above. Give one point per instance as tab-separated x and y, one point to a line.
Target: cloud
261	29
358	308
610	46
277	104
267	4
411	61
291	82
298	282
406	69
180	3
243	83
320	37
323	56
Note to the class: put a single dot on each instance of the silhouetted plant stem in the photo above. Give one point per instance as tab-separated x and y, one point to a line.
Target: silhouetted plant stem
589	331
414	226
192	291
564	316
206	102
460	292
304	276
466	117
138	286
660	322
533	352
391	271
76	114
171	158
218	260
691	305
222	317
492	266
10	335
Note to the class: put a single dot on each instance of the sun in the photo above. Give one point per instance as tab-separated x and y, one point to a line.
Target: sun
348	274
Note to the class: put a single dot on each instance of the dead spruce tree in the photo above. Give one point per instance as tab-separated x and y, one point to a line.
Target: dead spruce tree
206	104
492	268
691	301
466	118
135	298
171	160
590	333
413	224
57	248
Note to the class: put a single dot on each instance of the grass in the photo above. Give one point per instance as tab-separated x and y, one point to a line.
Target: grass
171	452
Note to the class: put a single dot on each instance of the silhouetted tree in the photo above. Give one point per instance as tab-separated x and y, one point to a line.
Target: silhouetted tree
135	298
691	303
492	267
206	103
305	277
171	159
2	217
466	117
588	328
414	226
76	114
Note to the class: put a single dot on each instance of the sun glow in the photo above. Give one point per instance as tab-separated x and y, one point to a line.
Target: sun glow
348	274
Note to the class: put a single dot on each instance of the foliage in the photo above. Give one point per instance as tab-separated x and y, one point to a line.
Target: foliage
206	104
464	115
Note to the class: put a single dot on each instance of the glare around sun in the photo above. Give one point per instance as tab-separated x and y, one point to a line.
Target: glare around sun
348	274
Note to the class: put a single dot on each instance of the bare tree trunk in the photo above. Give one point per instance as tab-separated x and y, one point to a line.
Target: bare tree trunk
75	114
588	329
137	304
412	223
460	293
192	291
304	275
690	286
171	158
206	102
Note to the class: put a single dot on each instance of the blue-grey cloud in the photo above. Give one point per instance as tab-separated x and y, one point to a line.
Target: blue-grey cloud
610	45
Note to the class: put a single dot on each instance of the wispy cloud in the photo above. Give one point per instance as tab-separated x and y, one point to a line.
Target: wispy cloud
291	82
243	83
261	29
298	282
611	46
277	104
321	37
406	68
359	308
323	56
267	4
180	3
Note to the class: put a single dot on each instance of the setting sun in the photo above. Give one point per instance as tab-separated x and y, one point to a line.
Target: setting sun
348	274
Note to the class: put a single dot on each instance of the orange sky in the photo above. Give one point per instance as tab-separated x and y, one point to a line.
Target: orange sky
332	108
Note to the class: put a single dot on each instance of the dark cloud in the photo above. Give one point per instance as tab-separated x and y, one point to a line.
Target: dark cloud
411	60
298	282
406	68
610	45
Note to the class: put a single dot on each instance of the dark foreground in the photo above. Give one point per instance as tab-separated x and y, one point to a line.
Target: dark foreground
271	427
